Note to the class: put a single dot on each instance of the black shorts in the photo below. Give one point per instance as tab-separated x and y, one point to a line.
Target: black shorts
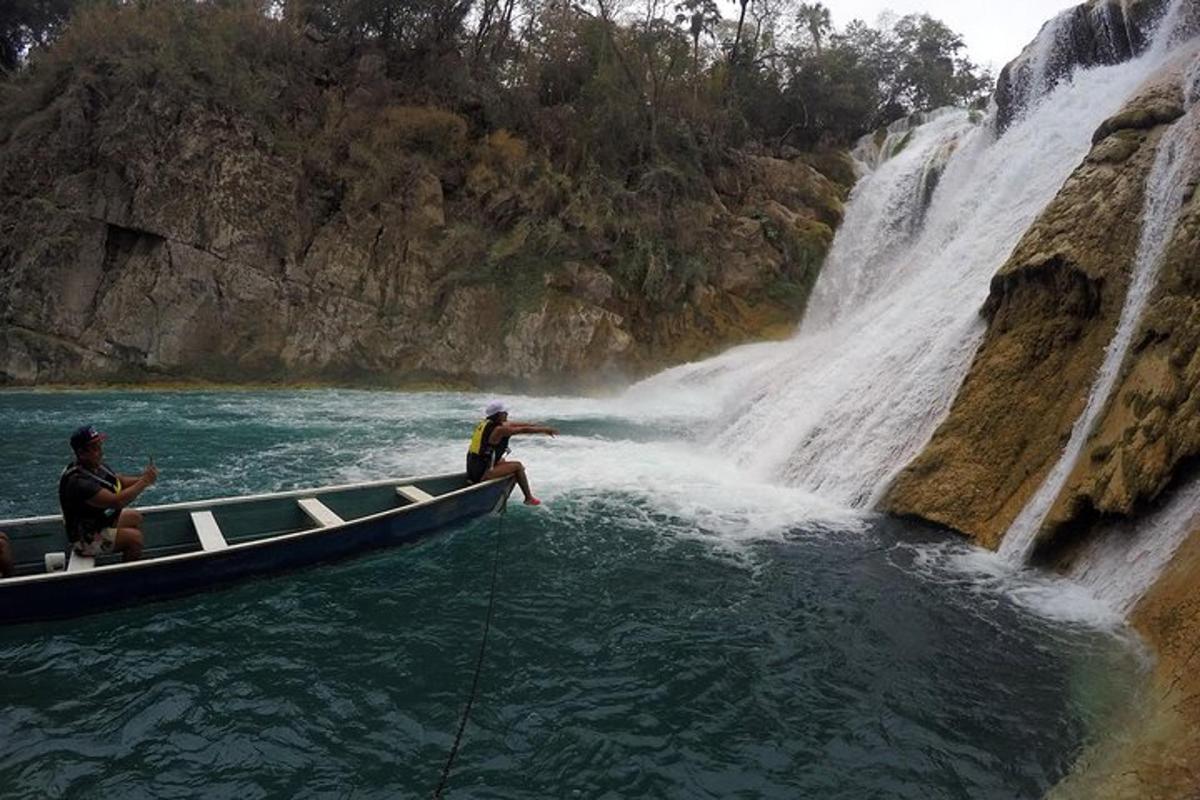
476	466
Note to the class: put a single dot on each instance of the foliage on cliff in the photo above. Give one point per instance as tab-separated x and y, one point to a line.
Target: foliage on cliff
631	84
436	168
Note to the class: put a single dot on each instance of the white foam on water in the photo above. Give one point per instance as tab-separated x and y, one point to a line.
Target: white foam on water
667	483
984	574
1122	560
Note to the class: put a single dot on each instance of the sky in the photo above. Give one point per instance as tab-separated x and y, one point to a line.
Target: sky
994	30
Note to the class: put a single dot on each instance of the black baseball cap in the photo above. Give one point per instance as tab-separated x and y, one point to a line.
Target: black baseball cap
82	437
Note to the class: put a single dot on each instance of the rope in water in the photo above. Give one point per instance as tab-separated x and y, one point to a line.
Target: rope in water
487	625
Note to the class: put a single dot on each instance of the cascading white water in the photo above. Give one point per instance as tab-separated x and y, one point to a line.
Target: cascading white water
894	320
886	211
1180	22
1123	559
1037	70
873	150
1166	188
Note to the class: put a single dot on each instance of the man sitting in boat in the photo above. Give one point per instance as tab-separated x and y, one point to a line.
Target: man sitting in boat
489	443
6	556
94	500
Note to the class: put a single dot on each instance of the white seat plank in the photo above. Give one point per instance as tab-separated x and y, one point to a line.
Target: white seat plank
318	512
209	531
78	563
413	493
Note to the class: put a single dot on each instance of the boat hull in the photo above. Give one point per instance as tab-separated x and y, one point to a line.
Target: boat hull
69	594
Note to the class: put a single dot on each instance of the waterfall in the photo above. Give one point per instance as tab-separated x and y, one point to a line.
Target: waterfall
1038	69
1166	189
887	209
1102	32
1123	559
894	321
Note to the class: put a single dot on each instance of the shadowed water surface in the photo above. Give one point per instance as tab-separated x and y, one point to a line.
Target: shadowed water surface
654	635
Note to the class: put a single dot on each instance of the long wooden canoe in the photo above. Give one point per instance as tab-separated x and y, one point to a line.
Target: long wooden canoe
197	545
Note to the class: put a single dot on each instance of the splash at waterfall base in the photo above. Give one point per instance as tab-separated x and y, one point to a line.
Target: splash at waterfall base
1052	311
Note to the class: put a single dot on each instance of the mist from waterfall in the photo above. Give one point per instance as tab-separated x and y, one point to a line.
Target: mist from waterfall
894	319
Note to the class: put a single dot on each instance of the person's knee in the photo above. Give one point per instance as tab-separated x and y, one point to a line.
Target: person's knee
131	518
129	540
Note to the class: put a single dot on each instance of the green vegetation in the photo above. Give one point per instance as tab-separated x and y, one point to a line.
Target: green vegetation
502	138
628	89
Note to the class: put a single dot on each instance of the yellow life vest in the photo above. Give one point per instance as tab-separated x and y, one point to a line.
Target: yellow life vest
478	445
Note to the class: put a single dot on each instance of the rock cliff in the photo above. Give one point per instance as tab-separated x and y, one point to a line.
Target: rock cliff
148	232
1052	310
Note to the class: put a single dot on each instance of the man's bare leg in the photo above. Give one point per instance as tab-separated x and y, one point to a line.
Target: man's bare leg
7	567
130	518
128	543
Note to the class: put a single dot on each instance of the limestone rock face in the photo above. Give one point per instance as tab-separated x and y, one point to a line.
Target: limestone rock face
1151	427
143	240
1052	311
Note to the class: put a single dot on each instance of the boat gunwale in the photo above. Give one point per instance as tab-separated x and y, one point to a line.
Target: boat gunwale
23	580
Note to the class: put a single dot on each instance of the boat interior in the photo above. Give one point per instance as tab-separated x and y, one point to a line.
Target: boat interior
40	544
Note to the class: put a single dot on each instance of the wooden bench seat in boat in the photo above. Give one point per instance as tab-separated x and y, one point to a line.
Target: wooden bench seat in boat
413	494
78	563
209	531
318	512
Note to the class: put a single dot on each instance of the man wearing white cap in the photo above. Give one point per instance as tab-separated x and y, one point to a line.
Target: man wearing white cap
489	443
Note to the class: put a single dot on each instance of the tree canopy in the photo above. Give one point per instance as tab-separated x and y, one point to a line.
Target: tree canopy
622	84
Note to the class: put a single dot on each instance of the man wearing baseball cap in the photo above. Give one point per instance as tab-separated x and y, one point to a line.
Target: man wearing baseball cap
489	443
94	500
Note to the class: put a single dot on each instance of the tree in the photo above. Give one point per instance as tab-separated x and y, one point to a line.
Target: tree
737	38
768	18
701	17
931	72
816	20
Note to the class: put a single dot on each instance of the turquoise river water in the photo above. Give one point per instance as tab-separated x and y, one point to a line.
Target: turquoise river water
664	627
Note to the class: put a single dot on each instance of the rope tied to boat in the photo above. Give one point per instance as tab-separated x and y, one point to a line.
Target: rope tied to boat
487	626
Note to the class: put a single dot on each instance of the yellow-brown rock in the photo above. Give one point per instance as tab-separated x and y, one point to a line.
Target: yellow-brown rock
1052	309
1152	425
1157	756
